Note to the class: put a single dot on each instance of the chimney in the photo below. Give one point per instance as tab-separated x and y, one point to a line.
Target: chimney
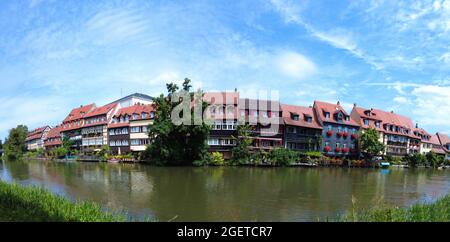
392	111
338	103
235	89
417	125
354	105
310	106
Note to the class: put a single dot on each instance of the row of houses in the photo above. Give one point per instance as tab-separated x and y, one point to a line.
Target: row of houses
326	127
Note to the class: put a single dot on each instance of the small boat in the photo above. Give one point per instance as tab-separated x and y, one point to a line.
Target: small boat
384	164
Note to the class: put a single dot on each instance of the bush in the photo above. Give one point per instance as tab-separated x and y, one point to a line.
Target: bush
216	159
283	157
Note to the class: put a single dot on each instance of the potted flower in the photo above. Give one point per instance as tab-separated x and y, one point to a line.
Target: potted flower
329	132
345	150
337	149
346	134
354	136
340	133
327	149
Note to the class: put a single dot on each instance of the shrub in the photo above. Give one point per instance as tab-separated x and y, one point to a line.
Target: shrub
283	157
216	159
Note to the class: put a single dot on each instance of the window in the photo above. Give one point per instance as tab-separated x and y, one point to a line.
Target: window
111	132
121	119
213	141
255	113
135	130
134	142
125	143
338	145
309	119
228	142
264	114
377	124
144	115
327	143
152	115
213	110
135	116
327	115
291	130
243	113
329	128
295	117
127	119
366	122
347	118
144	129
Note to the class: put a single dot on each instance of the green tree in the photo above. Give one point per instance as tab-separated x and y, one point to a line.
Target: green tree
433	159
15	146
370	145
241	153
67	144
173	143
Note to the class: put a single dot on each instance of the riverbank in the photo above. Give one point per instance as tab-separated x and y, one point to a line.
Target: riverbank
438	211
32	204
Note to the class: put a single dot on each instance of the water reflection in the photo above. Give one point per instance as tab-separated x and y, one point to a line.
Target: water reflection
229	193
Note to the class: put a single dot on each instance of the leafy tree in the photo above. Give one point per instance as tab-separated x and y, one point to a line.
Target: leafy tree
370	145
15	146
241	152
178	143
1	144
283	157
433	159
414	160
67	144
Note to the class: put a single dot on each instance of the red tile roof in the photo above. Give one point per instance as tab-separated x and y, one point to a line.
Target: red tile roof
55	132
389	118
36	134
444	140
288	110
136	109
322	107
103	110
222	99
78	113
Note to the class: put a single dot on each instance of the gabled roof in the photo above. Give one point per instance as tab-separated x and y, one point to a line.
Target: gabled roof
135	109
55	132
103	110
331	108
289	110
444	140
213	98
78	113
36	133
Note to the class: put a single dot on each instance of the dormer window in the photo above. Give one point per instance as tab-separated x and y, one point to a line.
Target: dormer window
366	122
309	119
377	124
127	119
327	114
295	116
347	118
135	116
144	115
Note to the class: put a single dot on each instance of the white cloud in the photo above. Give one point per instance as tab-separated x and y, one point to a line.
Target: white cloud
295	65
432	104
401	100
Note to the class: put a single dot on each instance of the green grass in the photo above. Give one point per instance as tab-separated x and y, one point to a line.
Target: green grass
33	204
438	211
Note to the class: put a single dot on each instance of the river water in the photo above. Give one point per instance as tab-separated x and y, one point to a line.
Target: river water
230	193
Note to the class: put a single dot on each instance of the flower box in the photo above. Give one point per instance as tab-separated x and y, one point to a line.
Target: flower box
354	136
337	150
339	134
346	134
329	132
345	150
327	149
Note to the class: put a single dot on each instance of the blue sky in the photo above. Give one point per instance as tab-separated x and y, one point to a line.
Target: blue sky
392	55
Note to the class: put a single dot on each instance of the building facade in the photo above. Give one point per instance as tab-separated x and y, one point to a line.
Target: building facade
128	130
74	122
444	140
223	113
35	139
302	131
53	139
265	118
95	129
340	131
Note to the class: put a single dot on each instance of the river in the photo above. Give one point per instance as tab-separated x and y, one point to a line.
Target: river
230	193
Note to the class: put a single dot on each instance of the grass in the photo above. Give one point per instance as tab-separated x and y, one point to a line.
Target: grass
33	204
438	211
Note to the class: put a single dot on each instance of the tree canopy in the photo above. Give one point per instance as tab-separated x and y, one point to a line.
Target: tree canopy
178	140
15	146
370	144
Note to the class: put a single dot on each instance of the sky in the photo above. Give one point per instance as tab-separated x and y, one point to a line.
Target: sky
59	54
